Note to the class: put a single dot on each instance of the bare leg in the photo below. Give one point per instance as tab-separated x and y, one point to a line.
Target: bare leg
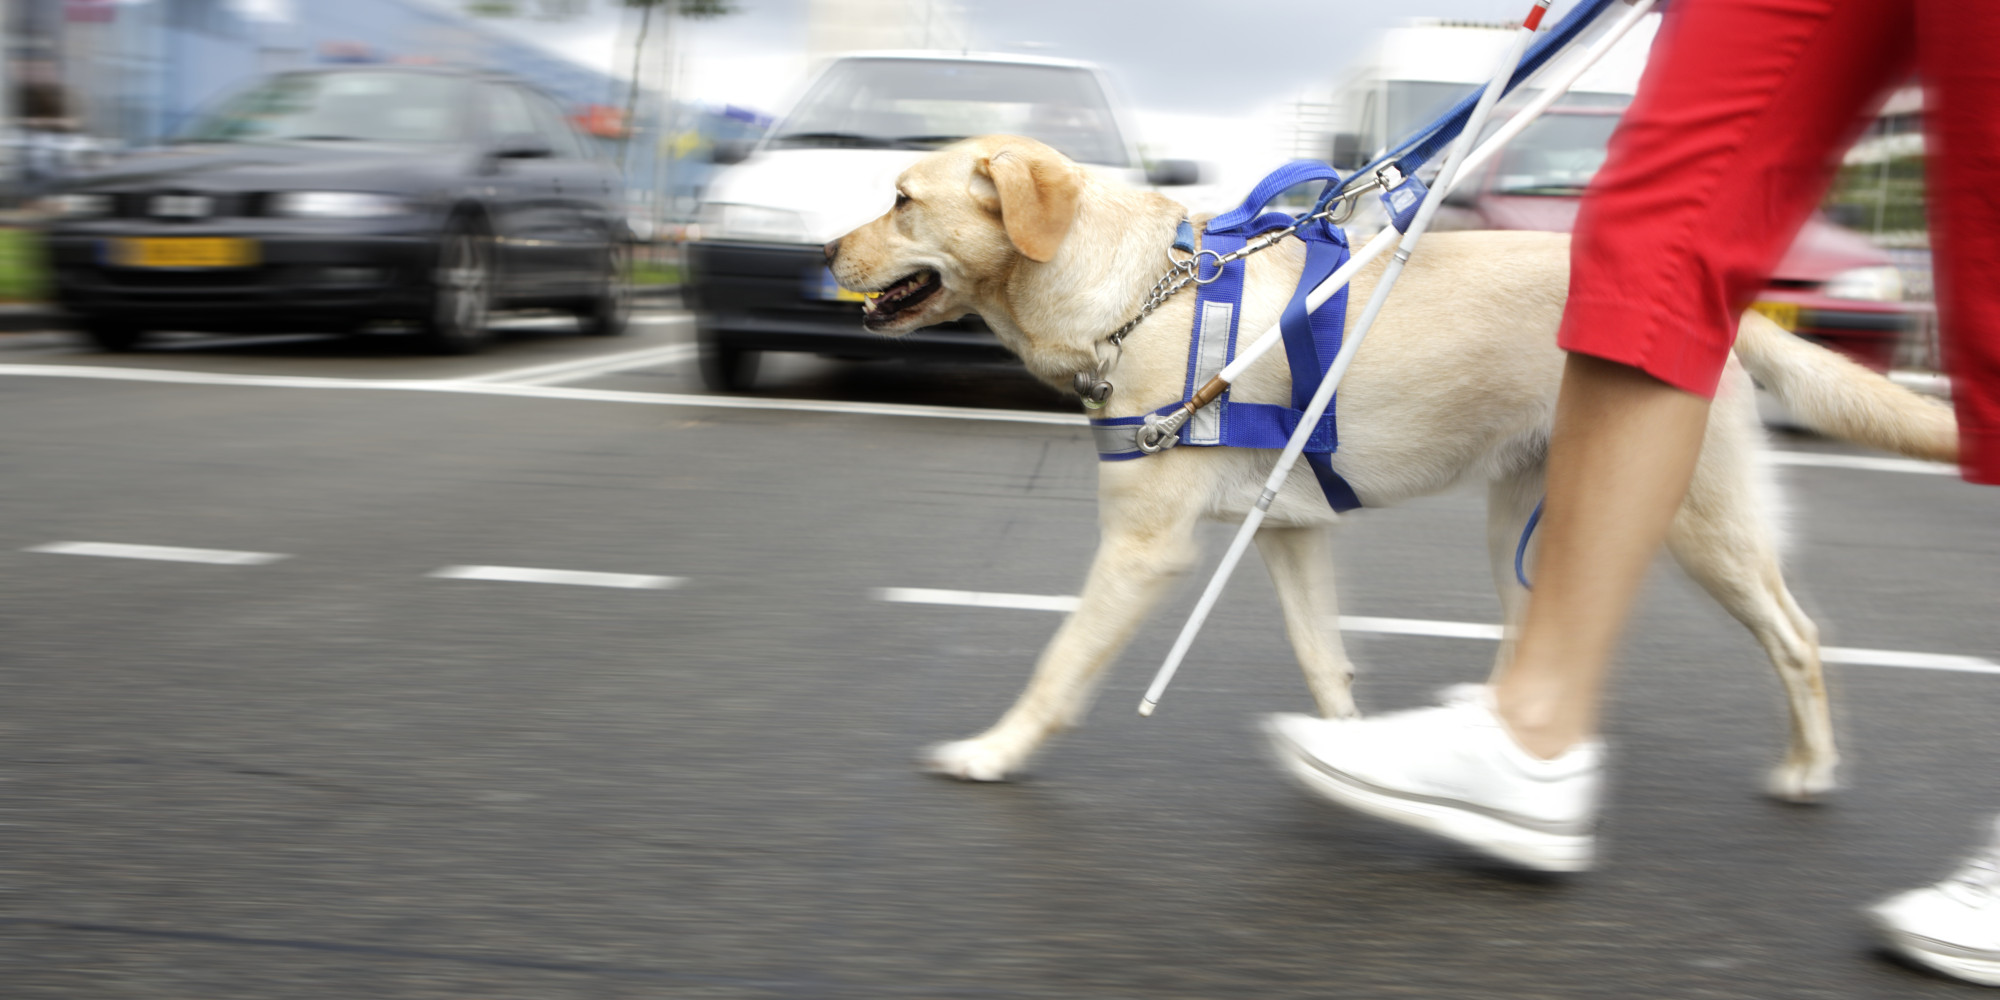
1622	451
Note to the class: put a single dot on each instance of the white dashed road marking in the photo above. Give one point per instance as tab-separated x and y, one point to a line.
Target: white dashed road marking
1427	627
568	577
1867	462
164	553
579	369
975	599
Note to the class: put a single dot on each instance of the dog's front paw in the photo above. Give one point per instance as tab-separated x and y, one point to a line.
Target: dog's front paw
1801	781
969	760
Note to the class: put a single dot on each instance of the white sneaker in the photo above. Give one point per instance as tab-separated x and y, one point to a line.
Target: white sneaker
1953	926
1454	771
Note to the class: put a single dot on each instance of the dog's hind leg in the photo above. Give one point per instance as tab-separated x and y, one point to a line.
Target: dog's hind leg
1135	563
1301	565
1722	538
1510	501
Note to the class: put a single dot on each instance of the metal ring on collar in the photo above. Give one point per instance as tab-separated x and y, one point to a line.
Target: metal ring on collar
1220	264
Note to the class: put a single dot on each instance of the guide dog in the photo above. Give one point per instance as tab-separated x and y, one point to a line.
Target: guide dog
1456	382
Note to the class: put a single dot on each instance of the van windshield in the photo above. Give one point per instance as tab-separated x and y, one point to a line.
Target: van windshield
925	103
1557	155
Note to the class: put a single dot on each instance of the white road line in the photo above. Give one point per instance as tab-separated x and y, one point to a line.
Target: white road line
165	553
1913	661
568	577
975	599
509	384
1866	462
578	369
1419	626
545	392
1428	627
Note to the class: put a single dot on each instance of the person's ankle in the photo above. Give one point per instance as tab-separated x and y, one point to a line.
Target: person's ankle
1542	733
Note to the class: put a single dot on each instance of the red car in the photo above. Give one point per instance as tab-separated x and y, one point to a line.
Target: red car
1833	286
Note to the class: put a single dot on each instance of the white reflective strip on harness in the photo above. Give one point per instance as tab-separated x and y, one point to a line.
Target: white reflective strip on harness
1211	354
1116	439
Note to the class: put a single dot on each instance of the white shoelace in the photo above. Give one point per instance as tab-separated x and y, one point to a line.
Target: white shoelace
1977	882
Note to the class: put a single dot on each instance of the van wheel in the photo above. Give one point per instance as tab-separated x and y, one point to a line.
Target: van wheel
725	368
115	335
461	291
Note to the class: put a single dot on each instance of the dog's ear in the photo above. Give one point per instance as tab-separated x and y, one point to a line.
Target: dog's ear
1033	190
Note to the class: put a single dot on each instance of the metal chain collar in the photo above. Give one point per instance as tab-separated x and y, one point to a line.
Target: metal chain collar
1093	386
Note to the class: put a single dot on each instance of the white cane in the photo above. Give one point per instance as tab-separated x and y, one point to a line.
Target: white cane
1455	161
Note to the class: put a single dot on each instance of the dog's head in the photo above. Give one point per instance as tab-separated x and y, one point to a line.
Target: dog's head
965	217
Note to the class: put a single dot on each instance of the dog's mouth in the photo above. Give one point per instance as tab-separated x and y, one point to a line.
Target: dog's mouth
900	299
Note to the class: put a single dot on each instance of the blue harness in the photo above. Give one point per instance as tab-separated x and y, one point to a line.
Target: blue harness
1311	339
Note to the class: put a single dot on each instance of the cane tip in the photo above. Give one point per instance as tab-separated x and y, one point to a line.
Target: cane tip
1146	706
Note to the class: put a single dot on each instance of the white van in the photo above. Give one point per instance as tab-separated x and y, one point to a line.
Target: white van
757	279
1417	71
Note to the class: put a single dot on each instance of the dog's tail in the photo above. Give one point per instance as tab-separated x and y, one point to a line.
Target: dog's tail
1837	397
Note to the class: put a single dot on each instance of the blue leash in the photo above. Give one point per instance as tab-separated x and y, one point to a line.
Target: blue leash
1521	550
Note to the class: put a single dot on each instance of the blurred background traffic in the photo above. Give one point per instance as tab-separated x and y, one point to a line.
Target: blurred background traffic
422	166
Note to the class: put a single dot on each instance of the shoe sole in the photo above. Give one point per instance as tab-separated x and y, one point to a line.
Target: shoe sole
1490	835
1932	954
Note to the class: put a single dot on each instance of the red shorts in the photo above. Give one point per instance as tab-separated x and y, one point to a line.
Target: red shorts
1739	122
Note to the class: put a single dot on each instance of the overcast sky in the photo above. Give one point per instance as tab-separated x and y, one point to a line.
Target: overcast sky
1181	57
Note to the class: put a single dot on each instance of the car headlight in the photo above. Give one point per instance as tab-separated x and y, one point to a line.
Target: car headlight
337	205
724	221
1868	284
77	206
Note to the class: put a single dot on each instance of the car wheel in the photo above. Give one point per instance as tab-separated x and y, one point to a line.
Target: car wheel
461	292
725	368
608	314
113	334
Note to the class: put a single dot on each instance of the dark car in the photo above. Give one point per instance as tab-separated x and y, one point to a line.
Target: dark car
1832	286
334	199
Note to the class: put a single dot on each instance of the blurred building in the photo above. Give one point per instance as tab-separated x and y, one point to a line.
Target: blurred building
136	70
86	77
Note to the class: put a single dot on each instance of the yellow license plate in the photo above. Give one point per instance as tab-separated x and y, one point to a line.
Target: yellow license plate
1785	314
183	251
823	286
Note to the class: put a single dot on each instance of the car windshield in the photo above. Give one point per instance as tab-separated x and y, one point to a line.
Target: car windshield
371	106
924	103
1557	155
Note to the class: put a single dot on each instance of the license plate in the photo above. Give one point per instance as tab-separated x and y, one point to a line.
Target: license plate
1785	314
182	251
822	286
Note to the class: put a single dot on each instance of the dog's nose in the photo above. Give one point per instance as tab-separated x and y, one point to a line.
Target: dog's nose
832	250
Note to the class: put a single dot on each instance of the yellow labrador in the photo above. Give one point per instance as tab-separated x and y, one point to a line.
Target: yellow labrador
1457	382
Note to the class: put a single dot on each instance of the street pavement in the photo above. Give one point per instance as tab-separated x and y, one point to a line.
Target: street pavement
314	767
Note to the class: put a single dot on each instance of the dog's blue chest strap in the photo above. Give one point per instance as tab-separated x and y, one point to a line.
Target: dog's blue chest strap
1311	341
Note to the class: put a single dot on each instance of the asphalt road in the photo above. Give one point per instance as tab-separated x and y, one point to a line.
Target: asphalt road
334	774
